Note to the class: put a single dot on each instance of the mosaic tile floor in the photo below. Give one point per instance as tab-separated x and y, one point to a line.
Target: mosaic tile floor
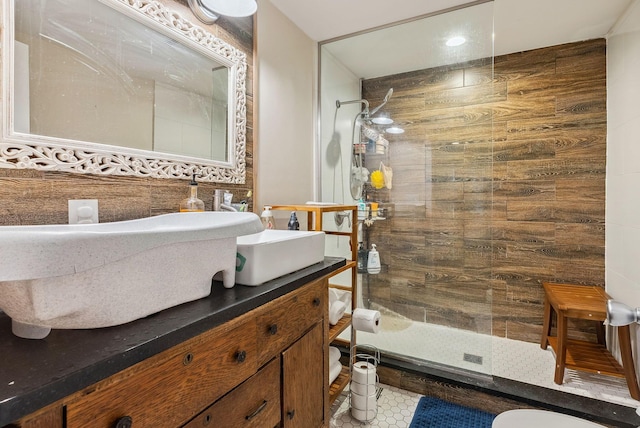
511	359
395	410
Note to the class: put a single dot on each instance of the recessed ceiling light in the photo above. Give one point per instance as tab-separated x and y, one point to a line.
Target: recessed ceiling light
395	130
456	41
382	120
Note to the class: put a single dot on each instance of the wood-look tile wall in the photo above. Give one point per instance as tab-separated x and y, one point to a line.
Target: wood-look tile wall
37	197
498	185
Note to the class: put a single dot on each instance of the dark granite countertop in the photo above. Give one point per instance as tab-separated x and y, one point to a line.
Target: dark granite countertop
35	373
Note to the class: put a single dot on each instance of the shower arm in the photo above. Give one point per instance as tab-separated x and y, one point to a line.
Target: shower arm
364	112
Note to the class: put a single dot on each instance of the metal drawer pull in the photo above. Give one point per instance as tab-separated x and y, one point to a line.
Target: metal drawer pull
124	422
291	414
258	410
241	356
316	301
273	329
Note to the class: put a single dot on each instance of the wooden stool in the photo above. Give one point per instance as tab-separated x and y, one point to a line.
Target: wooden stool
588	303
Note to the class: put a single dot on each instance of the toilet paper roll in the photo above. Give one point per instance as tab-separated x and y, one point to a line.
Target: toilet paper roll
363	415
334	372
366	320
336	311
363	373
334	355
363	402
362	388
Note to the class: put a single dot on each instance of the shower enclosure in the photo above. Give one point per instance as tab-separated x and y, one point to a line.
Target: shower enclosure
435	205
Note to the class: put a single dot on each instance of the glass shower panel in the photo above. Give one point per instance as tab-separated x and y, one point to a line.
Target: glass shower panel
433	228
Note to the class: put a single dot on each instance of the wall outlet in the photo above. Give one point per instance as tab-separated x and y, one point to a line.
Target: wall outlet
82	211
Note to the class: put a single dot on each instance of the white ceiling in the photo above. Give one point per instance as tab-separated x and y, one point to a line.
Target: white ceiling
519	25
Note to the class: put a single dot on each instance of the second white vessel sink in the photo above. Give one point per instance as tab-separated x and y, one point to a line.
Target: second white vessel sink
273	253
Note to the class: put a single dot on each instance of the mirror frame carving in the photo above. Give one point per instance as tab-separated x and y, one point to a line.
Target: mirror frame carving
30	151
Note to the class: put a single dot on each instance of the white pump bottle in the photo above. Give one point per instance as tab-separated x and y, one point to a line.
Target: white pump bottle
373	262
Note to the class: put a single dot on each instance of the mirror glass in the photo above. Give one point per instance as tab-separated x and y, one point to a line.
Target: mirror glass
137	81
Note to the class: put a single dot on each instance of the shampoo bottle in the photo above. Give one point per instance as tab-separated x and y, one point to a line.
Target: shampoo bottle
192	203
267	218
362	210
373	262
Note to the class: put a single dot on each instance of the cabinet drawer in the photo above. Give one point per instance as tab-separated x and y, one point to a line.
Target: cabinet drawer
285	319
254	404
169	389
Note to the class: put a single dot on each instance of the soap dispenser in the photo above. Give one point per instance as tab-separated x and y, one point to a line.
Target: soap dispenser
192	203
373	262
267	218
293	222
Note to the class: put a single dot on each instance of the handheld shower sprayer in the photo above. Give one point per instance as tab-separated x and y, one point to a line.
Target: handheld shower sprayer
357	171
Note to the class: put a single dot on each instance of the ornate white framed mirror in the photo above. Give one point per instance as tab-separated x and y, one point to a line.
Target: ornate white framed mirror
120	87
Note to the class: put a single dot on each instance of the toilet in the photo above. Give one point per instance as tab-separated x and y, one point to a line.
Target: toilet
529	418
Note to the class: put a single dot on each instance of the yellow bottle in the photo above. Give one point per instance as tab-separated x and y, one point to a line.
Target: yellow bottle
192	203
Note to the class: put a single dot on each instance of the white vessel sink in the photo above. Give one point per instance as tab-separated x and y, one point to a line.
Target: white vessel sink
100	275
272	253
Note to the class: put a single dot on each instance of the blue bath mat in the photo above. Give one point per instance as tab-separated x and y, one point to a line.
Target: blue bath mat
435	413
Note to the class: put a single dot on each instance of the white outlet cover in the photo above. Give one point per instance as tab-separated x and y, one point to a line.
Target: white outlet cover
82	211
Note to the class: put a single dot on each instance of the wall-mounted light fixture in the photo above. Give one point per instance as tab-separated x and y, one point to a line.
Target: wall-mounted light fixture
619	314
208	11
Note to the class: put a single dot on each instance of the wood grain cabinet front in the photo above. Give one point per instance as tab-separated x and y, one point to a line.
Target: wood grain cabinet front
303	381
284	320
254	404
178	385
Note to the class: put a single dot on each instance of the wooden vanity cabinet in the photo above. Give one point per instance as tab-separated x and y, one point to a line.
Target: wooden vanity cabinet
264	368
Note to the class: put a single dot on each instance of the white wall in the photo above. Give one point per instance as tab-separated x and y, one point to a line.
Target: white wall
623	160
622	258
334	157
286	70
337	83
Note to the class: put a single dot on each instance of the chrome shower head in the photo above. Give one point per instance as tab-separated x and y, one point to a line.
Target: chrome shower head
384	101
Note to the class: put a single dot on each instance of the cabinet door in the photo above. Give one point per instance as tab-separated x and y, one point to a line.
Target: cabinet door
303	381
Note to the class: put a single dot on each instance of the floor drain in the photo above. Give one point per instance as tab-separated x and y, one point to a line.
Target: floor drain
470	358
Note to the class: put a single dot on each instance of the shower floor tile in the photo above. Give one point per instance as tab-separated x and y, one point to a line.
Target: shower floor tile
511	359
528	363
